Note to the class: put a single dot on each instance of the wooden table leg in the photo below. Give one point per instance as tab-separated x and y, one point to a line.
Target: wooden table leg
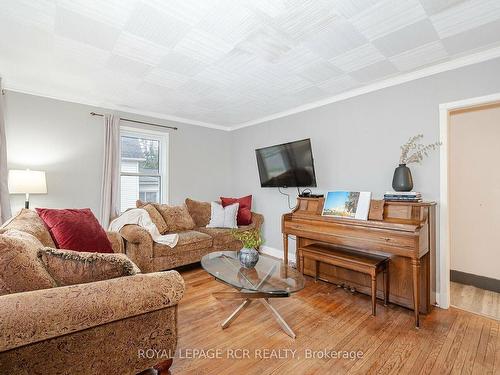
386	286
415	264
316	270
298	256
285	249
374	294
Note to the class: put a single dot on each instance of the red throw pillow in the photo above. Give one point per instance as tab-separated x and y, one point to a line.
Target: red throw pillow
245	210
75	229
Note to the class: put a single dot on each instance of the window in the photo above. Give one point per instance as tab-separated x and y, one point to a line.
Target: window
143	167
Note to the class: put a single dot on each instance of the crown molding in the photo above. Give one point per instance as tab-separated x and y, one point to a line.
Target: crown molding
112	107
457	63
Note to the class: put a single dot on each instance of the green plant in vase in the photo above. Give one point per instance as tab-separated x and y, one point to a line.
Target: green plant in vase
251	240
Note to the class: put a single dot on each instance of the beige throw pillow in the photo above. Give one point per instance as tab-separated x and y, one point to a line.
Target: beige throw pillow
68	267
28	221
199	211
156	218
177	218
20	268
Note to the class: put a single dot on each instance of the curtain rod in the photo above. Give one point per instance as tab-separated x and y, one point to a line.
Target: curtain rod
138	122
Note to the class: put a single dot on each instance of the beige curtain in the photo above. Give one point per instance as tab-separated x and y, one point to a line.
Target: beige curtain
110	189
5	212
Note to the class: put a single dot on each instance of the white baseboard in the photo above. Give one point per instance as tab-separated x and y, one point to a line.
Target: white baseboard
277	253
442	301
272	251
438	299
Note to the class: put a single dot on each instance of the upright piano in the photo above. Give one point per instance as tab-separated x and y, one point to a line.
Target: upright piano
407	234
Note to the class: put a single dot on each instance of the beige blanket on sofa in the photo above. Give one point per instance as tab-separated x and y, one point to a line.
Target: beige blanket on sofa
141	217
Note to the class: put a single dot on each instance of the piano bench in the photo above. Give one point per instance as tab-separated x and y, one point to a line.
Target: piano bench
349	259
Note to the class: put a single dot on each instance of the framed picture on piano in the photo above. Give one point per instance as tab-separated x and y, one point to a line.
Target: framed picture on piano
347	204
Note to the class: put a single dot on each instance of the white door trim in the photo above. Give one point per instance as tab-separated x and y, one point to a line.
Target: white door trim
443	294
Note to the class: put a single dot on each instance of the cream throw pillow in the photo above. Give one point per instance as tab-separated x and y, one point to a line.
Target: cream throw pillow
223	217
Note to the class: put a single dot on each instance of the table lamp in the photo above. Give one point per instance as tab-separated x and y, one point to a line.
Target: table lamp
27	182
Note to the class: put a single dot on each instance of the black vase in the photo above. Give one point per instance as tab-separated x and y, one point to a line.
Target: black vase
402	180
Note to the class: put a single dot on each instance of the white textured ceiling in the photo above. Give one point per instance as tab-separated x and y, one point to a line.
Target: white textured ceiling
228	62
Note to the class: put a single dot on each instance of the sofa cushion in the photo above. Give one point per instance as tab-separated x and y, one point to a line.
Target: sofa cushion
156	218
75	229
199	211
68	267
20	268
28	221
220	236
223	236
177	218
244	210
189	240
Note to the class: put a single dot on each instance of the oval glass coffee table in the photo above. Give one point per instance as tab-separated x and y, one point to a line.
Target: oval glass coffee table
270	278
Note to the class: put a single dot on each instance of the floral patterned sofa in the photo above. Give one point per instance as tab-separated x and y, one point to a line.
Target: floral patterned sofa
66	312
195	239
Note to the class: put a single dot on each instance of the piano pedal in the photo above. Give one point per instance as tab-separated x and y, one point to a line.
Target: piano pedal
347	288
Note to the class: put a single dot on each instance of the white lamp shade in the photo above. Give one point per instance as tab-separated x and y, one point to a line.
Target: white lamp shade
27	181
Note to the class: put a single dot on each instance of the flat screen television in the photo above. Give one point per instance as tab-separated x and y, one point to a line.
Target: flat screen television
287	165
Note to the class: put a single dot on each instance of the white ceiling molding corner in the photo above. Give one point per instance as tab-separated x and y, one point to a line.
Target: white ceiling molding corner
117	108
460	62
463	61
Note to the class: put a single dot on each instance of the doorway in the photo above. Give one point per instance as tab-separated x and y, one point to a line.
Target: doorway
443	268
474	207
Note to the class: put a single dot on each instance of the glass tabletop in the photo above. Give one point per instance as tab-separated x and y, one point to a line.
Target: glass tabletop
270	275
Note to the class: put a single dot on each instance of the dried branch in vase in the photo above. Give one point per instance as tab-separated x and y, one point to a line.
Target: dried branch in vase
414	152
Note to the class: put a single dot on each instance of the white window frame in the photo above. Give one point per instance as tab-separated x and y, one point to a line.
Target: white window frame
163	140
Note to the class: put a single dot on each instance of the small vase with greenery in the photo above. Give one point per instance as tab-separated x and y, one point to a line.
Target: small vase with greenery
251	240
413	151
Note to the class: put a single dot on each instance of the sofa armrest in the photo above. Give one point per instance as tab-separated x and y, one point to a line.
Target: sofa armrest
135	234
39	315
116	240
138	246
257	220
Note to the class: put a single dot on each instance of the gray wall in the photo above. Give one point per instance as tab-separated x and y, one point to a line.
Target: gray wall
355	144
356	141
65	141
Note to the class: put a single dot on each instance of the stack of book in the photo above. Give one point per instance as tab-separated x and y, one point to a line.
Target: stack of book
406	196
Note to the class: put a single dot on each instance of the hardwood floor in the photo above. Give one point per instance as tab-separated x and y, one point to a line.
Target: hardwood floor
326	318
476	300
